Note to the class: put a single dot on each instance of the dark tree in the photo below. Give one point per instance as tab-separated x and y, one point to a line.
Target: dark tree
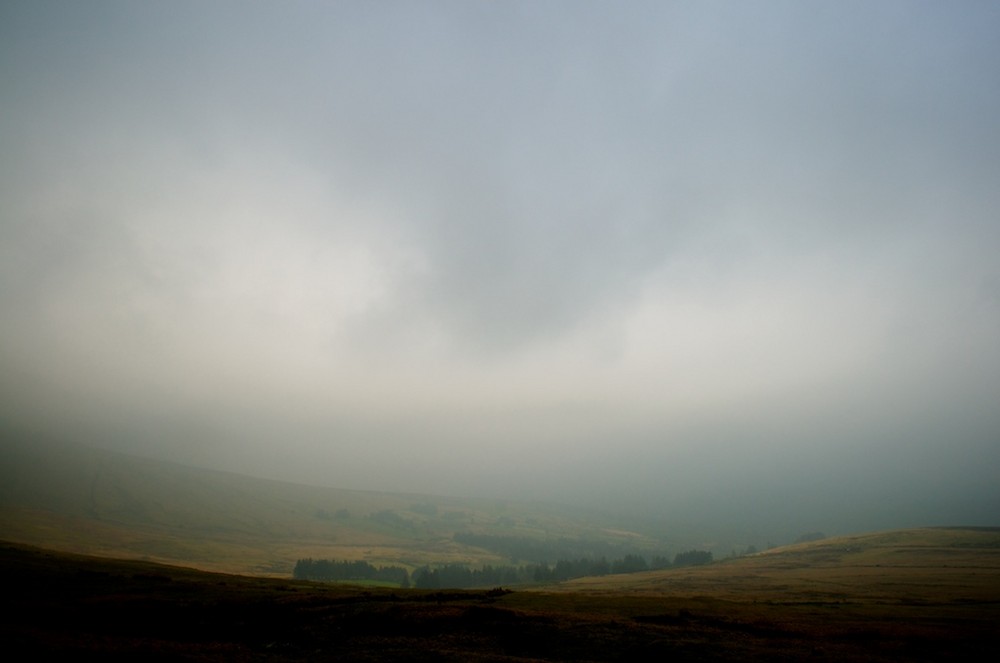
692	558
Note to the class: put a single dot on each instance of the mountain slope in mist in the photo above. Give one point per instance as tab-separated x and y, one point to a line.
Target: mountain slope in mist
100	502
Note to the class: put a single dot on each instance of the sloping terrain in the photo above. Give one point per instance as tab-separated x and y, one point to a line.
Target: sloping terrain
68	606
86	500
940	565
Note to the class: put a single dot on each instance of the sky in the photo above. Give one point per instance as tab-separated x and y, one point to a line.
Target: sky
737	258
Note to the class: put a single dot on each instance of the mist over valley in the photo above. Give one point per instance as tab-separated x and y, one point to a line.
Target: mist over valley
571	295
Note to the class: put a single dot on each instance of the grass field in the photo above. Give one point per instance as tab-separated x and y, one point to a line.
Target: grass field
938	599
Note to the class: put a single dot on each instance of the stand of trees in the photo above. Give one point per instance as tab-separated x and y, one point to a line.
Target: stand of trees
330	570
461	576
538	550
692	558
457	576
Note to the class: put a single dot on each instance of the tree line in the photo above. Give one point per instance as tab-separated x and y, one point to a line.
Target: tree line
537	550
460	576
463	576
331	570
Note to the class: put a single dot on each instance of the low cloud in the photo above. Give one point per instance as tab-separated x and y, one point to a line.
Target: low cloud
557	251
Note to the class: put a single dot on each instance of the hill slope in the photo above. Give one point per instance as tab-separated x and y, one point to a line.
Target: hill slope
130	609
92	501
940	564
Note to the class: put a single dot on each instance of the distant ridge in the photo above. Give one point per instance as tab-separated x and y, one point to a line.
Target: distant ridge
93	501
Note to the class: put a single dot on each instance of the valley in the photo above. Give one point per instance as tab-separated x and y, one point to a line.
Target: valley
70	605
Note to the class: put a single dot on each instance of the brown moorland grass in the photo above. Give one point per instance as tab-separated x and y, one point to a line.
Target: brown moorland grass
907	566
832	600
97	502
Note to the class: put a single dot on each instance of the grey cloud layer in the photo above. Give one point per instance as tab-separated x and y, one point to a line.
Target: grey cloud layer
457	231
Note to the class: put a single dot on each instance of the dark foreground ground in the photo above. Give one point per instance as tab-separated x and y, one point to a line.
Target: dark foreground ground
63	606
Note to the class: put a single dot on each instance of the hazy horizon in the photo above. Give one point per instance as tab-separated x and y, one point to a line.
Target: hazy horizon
713	259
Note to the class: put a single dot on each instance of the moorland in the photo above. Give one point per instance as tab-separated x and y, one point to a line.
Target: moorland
115	556
92	501
910	595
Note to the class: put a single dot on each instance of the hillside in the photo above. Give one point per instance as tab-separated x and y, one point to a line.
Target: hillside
69	605
915	566
915	594
92	501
